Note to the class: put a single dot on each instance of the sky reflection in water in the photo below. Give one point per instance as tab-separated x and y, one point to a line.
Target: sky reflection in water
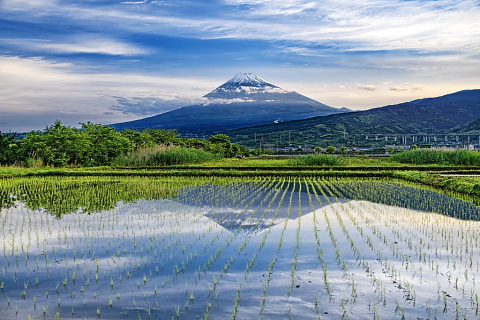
274	249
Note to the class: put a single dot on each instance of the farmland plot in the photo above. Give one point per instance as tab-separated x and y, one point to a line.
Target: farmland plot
178	248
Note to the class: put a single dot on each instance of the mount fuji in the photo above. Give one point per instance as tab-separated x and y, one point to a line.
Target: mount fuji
245	100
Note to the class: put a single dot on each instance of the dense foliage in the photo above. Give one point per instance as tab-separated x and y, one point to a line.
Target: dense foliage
443	157
97	145
166	156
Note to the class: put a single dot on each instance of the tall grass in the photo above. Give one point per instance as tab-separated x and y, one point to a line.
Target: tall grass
161	155
435	156
318	160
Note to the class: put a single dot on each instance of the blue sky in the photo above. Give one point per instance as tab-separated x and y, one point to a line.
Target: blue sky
110	61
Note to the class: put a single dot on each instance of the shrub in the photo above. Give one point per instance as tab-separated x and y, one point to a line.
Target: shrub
162	155
443	157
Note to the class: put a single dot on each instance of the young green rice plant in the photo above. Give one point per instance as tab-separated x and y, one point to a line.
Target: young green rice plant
318	160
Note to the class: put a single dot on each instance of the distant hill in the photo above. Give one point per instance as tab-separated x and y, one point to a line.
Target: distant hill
432	115
245	100
469	127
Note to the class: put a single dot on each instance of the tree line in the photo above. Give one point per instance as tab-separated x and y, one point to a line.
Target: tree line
99	145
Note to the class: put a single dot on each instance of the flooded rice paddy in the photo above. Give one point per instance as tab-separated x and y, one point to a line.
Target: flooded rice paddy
178	248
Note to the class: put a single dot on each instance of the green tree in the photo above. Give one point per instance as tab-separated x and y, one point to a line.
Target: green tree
330	150
414	147
138	139
221	144
197	143
318	150
343	149
57	145
390	150
219	138
162	136
105	143
8	148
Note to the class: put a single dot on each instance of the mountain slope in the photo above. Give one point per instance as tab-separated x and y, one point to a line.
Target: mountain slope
469	127
432	115
245	100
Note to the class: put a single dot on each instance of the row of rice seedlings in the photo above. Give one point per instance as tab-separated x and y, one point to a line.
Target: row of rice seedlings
253	197
383	238
338	247
319	252
353	247
241	247
176	245
184	268
365	265
411	265
338	256
379	252
220	250
342	264
72	276
380	290
460	268
297	243
251	262
271	265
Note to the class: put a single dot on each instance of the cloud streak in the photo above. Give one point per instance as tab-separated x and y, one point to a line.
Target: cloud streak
99	45
366	87
46	91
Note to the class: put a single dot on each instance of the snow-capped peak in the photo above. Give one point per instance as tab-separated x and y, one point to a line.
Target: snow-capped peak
249	80
245	86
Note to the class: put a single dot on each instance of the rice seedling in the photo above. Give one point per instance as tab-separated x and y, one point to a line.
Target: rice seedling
409	251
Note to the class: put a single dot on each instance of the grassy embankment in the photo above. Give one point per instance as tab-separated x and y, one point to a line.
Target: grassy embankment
421	166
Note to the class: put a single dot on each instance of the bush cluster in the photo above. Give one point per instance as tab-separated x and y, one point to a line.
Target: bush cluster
166	156
99	145
442	157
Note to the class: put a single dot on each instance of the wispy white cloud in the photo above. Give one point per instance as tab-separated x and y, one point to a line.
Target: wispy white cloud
134	2
371	25
25	5
418	88
141	106
35	92
398	89
83	44
78	43
366	87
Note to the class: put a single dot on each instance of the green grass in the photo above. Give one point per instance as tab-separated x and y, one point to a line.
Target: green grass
165	156
319	160
440	157
463	185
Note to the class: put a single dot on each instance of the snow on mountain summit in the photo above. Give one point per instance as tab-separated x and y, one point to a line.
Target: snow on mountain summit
248	80
246	86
